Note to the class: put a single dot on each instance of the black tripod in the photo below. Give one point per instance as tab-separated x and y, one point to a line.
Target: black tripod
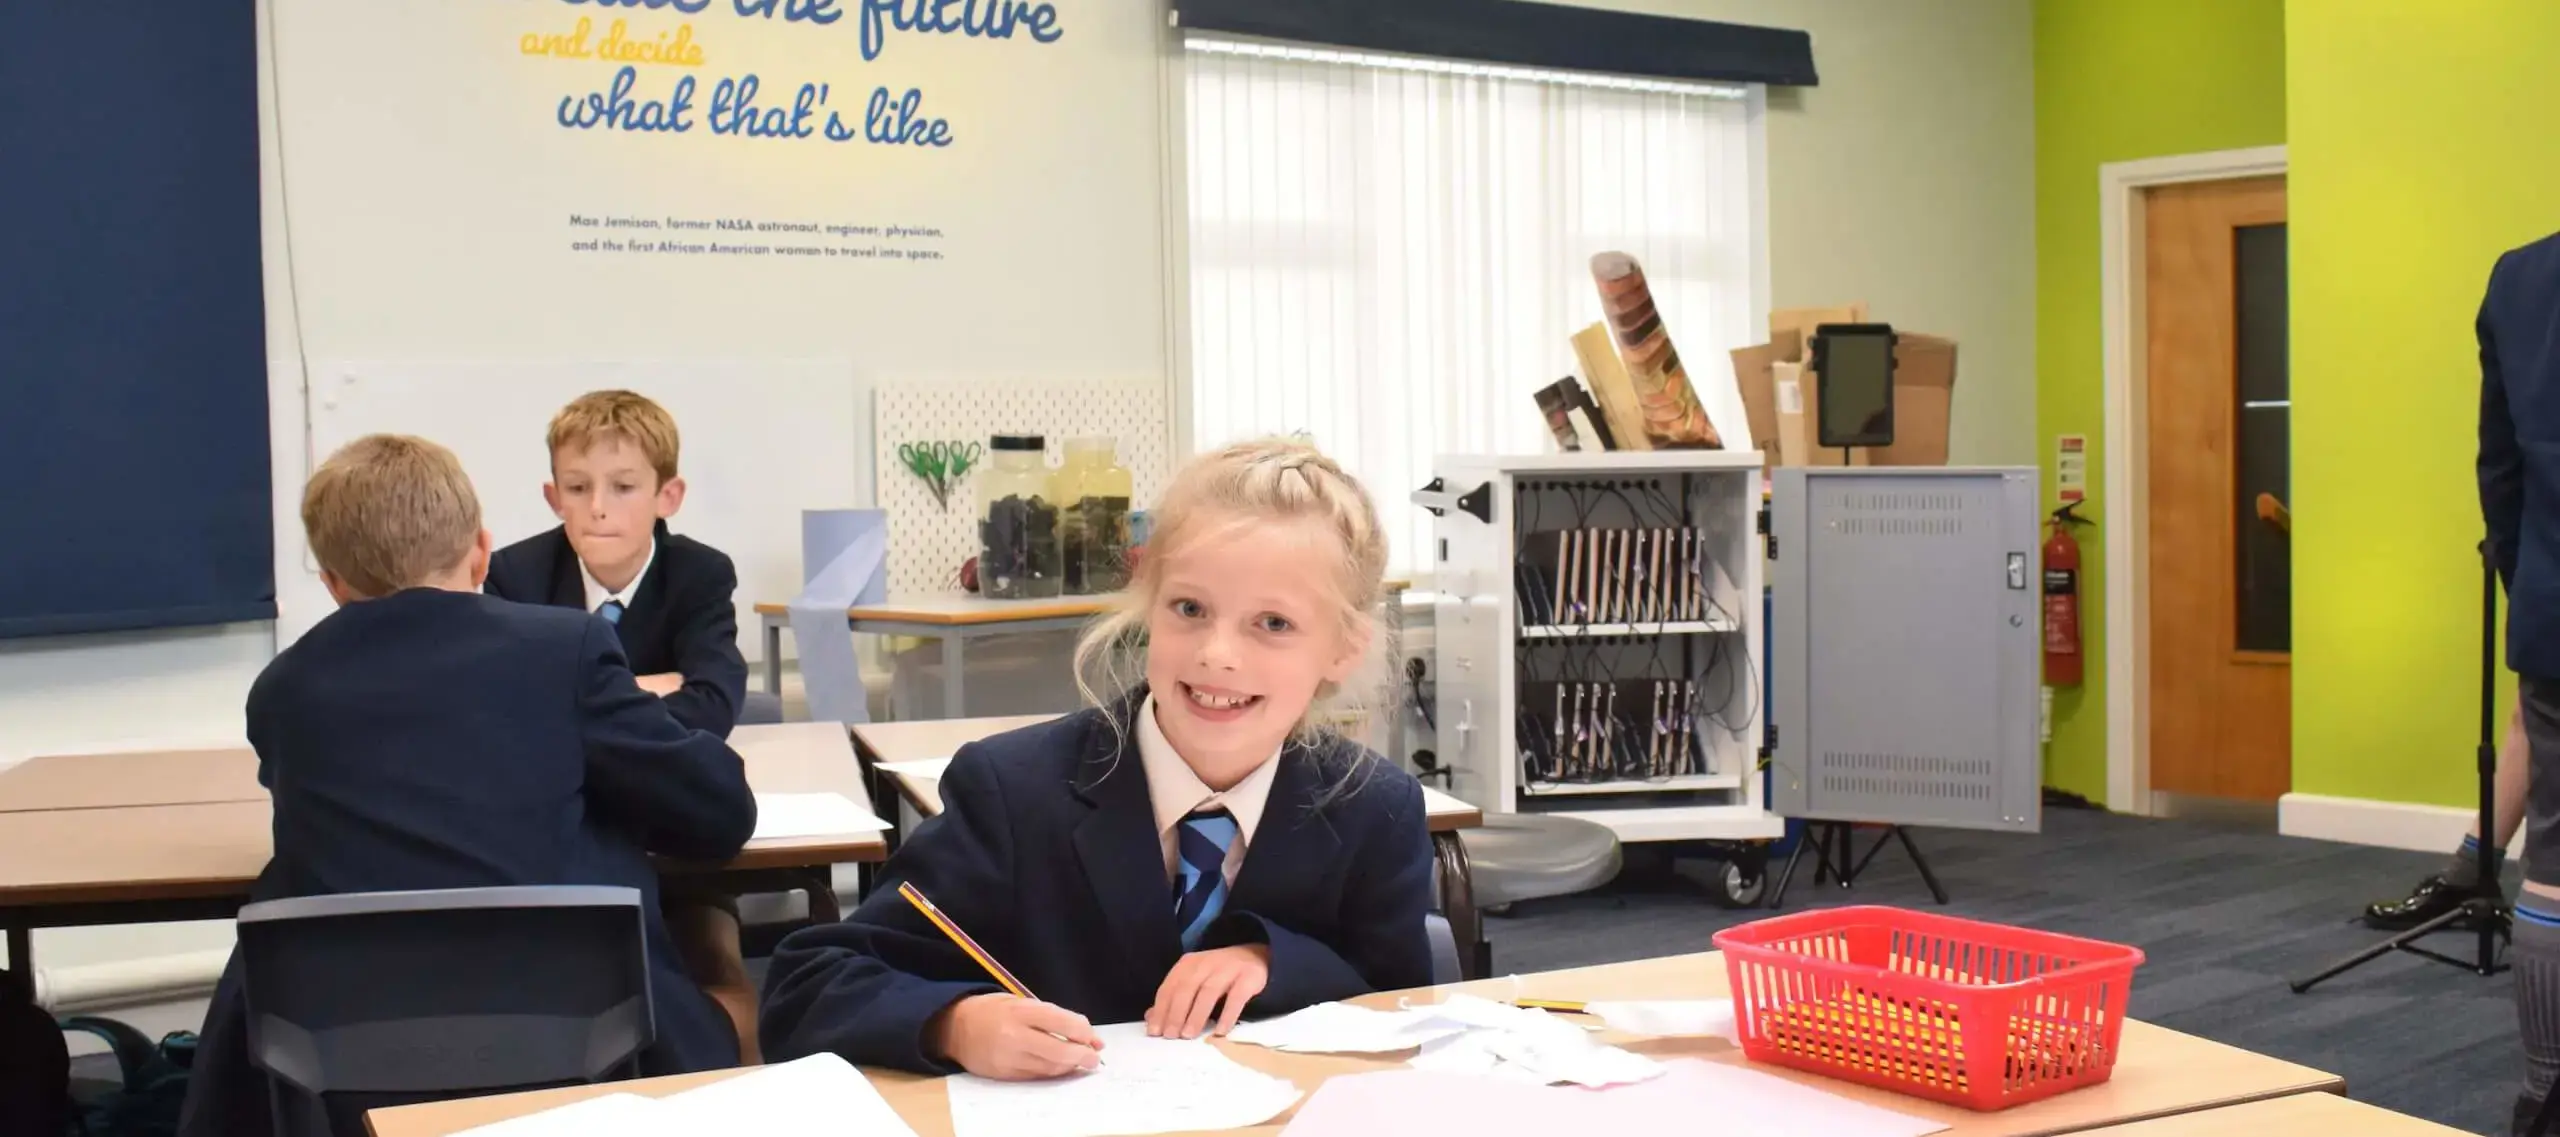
1830	838
2486	910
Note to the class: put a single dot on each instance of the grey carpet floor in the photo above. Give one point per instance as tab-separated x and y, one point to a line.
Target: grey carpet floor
2225	916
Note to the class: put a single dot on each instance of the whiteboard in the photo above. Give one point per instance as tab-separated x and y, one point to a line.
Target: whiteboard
762	440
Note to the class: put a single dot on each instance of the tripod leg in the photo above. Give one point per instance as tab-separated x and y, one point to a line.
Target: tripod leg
1778	895
2379	950
1921	863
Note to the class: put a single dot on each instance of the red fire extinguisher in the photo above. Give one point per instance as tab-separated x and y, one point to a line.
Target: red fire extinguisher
2062	600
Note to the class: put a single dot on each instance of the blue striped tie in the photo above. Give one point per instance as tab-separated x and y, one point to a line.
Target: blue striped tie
1200	887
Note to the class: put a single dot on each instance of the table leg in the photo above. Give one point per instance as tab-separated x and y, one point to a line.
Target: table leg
773	659
19	979
1458	901
954	668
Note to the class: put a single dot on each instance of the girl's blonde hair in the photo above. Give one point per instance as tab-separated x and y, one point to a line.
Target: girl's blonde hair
1270	480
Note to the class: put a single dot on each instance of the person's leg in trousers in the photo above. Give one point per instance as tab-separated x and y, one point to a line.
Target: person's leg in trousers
2447	889
2537	910
704	925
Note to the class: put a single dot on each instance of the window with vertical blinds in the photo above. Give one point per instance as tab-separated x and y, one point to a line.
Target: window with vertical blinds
1391	254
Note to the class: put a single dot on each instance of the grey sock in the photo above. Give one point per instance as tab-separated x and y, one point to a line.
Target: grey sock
2463	871
2537	967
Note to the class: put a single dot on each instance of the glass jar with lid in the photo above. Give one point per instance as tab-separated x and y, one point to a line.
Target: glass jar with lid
1093	491
1019	556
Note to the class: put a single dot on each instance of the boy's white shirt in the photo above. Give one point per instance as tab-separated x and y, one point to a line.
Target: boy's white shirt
1177	792
597	594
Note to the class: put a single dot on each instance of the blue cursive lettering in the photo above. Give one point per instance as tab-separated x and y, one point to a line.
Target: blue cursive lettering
616	109
734	110
793	11
686	6
898	124
978	19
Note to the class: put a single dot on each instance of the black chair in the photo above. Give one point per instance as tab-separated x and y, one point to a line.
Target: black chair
367	1000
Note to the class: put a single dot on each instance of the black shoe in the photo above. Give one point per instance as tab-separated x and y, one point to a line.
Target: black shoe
2433	897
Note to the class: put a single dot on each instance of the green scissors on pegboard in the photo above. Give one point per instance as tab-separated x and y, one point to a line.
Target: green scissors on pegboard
940	464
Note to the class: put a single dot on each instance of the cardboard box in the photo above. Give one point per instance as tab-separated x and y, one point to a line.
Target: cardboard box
1780	389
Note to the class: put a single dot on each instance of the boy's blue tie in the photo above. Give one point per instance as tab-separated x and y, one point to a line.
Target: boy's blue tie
1200	878
611	610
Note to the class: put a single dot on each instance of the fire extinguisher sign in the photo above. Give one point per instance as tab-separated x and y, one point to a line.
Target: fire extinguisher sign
2071	468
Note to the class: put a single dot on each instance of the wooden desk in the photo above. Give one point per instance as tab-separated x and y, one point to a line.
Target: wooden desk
2159	1073
147	863
162	777
911	741
2295	1115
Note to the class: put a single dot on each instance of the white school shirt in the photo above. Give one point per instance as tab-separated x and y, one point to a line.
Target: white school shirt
1176	793
597	593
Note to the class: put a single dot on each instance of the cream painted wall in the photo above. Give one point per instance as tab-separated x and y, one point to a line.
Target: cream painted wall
1905	179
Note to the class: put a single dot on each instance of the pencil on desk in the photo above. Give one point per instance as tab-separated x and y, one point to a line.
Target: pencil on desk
950	930
1552	1005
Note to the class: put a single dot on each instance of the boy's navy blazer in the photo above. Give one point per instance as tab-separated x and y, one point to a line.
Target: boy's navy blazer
683	616
2519	332
433	739
1046	852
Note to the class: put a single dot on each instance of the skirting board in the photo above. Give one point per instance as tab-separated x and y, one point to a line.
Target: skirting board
2387	824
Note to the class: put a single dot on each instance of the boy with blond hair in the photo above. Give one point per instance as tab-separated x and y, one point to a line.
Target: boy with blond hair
671	599
425	736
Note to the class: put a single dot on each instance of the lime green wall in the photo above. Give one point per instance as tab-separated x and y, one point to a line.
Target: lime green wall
2118	80
2418	153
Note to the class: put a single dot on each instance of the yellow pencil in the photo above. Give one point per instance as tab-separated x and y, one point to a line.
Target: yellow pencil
950	930
1552	1005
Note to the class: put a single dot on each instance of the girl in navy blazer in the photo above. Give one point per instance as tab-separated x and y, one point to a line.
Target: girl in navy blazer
1195	850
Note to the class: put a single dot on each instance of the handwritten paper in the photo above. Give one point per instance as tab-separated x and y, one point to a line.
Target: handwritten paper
1144	1085
1741	1102
921	769
812	815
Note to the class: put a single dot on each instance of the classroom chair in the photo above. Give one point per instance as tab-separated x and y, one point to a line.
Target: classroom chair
1531	856
1444	950
365	1000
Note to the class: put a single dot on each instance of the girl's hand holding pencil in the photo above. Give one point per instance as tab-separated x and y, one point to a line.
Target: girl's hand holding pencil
1013	1036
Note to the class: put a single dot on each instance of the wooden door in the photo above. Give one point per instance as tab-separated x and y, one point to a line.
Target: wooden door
2218	414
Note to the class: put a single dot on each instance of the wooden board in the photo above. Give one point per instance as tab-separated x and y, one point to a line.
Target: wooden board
118	854
160	777
2161	1072
2296	1115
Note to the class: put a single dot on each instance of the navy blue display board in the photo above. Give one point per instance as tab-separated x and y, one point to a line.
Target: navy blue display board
1516	32
134	463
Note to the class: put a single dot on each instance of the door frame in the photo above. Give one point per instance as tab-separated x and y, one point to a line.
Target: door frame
2125	466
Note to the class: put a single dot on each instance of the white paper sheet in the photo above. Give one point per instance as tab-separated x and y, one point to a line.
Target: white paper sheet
1144	1085
812	815
926	769
1711	1018
820	1093
624	1115
1540	1058
772	1099
1340	1028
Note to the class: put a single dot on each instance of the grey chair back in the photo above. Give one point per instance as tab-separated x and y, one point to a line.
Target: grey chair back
364	1000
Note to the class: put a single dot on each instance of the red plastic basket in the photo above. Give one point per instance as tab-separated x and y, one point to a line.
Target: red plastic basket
1973	1014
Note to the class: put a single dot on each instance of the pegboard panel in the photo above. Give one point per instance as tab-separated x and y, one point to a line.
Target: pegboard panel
926	542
